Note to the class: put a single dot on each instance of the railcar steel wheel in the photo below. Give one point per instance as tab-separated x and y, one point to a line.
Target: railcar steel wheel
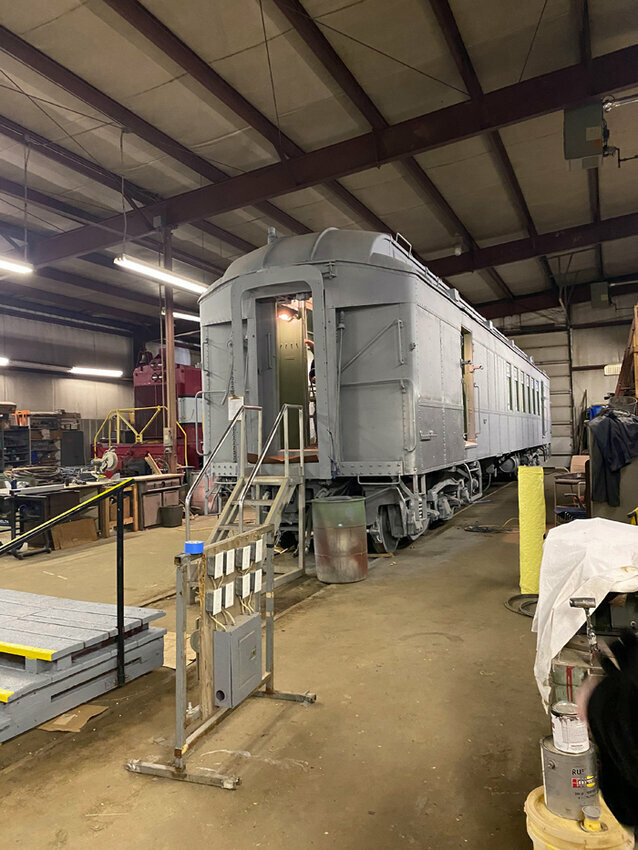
388	543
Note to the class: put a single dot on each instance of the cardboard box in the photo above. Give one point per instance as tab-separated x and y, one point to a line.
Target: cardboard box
74	533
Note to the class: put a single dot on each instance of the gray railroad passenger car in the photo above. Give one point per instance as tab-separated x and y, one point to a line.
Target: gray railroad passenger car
411	397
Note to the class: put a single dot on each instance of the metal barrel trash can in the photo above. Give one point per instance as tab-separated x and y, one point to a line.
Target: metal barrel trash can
170	516
340	537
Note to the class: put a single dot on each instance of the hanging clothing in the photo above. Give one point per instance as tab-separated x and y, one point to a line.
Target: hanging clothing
614	444
612	713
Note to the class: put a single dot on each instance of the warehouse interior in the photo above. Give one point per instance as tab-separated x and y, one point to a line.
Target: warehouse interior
319	354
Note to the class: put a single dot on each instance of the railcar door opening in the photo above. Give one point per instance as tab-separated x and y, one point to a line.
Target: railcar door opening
286	363
467	372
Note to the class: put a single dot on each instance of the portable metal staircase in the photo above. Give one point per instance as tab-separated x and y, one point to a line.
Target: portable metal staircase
234	518
256	498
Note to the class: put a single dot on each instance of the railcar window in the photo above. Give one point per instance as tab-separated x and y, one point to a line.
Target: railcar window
529	394
516	390
524	404
543	404
508	374
538	400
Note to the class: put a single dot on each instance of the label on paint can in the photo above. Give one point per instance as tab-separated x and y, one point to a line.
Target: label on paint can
568	730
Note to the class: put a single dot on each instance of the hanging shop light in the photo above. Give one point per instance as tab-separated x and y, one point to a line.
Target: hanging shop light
4	361
156	273
96	373
15	266
9	264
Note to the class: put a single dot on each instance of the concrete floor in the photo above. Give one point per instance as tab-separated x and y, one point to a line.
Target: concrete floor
425	732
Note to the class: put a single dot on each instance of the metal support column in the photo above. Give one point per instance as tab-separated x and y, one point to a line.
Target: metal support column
171	389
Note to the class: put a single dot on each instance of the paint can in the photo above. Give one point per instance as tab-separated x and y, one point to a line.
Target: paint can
570	780
568	730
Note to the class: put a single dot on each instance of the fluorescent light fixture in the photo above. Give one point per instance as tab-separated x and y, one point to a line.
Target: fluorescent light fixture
156	273
96	373
188	317
612	369
15	266
4	361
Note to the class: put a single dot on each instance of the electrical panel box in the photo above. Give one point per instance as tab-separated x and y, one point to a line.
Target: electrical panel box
599	294
583	135
230	561
237	660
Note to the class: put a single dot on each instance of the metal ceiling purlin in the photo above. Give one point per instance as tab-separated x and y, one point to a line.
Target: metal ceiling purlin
11	231
80	165
99	287
559	241
315	40
58	316
518	102
159	35
66	79
545	300
88	307
34	196
456	45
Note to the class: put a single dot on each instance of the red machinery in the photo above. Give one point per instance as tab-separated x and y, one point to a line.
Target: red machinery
137	432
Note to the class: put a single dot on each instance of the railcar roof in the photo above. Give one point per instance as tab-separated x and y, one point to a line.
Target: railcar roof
349	246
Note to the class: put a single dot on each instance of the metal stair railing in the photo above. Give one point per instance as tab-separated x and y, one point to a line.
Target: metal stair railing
281	416
238	417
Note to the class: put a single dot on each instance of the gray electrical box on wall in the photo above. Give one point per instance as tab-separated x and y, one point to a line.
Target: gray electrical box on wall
237	660
583	135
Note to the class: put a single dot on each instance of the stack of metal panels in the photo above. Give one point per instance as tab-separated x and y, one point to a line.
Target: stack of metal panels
58	653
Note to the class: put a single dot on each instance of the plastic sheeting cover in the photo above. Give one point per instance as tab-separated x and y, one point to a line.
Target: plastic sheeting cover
588	557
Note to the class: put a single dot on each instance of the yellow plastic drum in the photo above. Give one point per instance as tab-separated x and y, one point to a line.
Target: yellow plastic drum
549	832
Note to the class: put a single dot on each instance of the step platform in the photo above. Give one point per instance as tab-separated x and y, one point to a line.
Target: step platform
58	653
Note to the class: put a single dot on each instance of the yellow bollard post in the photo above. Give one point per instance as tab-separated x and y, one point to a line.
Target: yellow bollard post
531	520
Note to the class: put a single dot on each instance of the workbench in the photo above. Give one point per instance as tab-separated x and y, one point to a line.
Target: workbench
155	491
143	497
31	506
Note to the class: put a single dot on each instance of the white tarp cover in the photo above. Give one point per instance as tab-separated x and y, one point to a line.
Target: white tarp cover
588	557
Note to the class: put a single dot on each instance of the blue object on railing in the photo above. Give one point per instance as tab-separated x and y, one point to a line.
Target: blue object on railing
194	547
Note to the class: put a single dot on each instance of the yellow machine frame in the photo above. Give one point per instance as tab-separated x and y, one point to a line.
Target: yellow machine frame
117	418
